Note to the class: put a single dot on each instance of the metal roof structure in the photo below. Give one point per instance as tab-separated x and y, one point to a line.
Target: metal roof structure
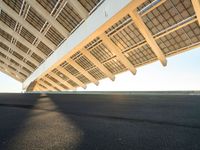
49	45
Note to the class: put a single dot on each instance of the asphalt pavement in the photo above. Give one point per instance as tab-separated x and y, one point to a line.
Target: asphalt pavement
99	122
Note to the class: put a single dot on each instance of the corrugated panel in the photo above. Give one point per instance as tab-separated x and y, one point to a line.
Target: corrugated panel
57	82
23	74
45	49
36	20
72	83
89	4
48	4
17	55
140	55
2	55
72	70
168	14
22	47
60	74
42	85
52	79
25	69
97	73
180	38
11	67
54	36
69	18
118	25
2	62
46	82
144	4
193	32
56	88
115	66
27	35
36	57
64	86
83	79
14	62
101	52
4	46
76	55
5	35
31	64
14	4
93	43
127	37
7	20
84	62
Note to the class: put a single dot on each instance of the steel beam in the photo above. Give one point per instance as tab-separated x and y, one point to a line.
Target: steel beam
16	59
8	62
79	8
38	88
28	26
73	78
62	81
5	65
83	71
22	40
45	14
53	83
152	7
10	72
41	87
116	50
148	36
59	8
169	30
99	65
17	50
49	88
103	18
175	27
196	5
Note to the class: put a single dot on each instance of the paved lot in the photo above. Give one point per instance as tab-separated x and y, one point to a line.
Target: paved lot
99	122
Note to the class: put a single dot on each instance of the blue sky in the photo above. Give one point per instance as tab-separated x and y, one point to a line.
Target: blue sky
181	73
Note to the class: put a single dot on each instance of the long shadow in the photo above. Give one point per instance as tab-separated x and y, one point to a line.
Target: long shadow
79	122
133	122
96	116
12	117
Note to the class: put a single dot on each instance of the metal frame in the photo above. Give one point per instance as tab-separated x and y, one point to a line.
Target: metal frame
124	37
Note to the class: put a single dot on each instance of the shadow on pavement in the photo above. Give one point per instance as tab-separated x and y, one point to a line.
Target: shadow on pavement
110	122
12	117
133	122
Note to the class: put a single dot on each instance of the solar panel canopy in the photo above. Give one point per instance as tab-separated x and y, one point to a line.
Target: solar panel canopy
142	32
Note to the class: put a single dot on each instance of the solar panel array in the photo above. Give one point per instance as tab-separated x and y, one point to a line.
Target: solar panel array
173	24
14	32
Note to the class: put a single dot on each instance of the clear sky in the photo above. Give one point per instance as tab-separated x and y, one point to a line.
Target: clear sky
8	84
181	73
